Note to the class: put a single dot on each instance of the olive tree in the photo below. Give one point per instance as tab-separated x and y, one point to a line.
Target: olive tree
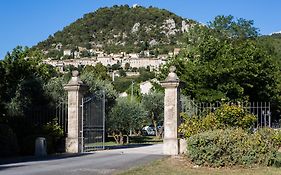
125	115
153	103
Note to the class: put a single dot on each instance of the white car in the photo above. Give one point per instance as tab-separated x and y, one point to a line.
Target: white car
148	130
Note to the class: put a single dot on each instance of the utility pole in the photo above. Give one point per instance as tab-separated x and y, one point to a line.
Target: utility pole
132	90
132	93
113	75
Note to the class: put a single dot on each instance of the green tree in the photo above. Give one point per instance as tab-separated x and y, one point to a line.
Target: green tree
116	66
127	66
272	43
2	88
97	85
126	115
145	75
122	73
85	54
121	84
99	71
224	61
134	90
153	103
23	95
24	77
54	89
55	54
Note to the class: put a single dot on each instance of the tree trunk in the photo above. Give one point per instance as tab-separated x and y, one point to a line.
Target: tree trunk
155	126
116	137
161	132
127	139
121	140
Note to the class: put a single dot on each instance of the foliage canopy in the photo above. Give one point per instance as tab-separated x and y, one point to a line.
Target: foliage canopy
223	61
126	115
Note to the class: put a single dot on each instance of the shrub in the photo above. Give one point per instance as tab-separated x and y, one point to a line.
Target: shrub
224	117
26	133
277	137
51	131
8	141
54	134
194	125
233	147
27	144
234	116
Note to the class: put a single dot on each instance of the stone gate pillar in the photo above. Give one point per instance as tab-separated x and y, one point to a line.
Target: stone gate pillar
171	113
75	89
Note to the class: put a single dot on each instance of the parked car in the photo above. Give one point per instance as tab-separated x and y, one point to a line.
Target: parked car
148	130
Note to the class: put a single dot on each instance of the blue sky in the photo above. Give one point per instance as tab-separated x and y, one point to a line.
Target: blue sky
26	22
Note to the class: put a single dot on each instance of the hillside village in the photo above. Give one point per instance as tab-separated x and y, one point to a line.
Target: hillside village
132	37
131	60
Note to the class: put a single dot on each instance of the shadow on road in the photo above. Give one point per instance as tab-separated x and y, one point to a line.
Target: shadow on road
10	166
4	161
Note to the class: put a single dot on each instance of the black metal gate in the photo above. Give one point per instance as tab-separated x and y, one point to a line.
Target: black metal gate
93	122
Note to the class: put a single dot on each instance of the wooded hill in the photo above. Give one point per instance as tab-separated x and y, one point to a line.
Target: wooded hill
121	29
128	29
273	44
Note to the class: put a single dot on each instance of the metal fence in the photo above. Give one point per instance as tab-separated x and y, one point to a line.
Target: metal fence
42	115
61	115
262	110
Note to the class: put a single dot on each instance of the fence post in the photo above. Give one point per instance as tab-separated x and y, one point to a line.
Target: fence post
171	113
75	89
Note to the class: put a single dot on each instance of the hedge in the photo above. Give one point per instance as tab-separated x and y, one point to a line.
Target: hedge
234	146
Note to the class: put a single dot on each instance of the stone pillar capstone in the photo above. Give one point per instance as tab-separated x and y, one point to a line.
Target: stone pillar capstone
171	113
75	89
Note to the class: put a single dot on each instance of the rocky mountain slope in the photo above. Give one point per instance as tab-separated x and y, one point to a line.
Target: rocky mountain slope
120	29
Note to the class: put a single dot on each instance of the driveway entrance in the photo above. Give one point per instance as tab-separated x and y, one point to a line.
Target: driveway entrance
99	162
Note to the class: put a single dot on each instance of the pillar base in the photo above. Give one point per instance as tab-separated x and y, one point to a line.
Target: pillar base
182	146
171	146
72	145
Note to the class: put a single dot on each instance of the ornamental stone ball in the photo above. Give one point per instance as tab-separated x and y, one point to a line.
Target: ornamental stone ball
75	79
75	73
172	69
172	76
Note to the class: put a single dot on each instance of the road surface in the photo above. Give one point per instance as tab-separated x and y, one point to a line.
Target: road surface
100	162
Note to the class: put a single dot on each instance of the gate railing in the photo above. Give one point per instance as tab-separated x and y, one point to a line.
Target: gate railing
93	122
61	114
42	115
262	110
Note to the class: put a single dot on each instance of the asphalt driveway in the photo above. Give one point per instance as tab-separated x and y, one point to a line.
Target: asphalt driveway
100	162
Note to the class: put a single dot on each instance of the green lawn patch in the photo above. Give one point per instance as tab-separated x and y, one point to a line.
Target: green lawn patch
180	166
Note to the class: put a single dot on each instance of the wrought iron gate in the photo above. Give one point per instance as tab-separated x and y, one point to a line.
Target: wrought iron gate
93	122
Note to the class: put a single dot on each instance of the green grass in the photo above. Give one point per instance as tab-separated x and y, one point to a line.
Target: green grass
133	140
180	166
145	139
100	144
138	139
